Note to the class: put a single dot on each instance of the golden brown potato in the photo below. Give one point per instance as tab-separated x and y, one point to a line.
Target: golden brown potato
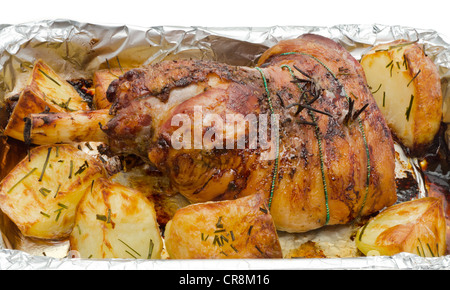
65	127
407	88
115	221
102	79
45	91
41	193
240	228
416	226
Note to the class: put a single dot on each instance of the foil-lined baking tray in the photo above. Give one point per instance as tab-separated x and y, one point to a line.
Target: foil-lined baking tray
76	50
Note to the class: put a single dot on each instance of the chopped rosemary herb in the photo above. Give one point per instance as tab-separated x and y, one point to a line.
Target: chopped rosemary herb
204	238
223	253
82	168
219	223
108	221
128	246
429	248
223	238
232	235
234	248
250	230
49	77
71	169
22	179
58	213
63	205
44	214
389	64
101	217
259	250
64	105
118	62
405	62
57	190
45	164
415	76
362	231
109	68
217	241
126	251
377	89
408	110
150	249
384	99
89	146
44	191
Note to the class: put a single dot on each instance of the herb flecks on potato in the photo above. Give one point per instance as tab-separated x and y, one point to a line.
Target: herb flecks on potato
240	228
41	193
45	91
406	86
115	221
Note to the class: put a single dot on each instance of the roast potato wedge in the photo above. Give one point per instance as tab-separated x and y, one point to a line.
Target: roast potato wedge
66	127
233	229
416	226
407	88
45	91
41	193
102	79
115	221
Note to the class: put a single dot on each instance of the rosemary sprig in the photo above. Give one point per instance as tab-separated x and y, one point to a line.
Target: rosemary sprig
309	108
64	105
49	77
22	179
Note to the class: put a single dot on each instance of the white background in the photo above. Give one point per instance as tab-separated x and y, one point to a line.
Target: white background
426	14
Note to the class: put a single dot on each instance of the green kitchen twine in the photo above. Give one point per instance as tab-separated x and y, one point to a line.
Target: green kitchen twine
275	168
319	141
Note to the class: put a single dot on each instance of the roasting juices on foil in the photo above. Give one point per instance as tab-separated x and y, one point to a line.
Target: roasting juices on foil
193	143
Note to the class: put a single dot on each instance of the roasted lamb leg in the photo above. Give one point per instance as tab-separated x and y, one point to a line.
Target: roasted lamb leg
327	158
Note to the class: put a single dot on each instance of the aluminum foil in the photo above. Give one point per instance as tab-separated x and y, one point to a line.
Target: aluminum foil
76	50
